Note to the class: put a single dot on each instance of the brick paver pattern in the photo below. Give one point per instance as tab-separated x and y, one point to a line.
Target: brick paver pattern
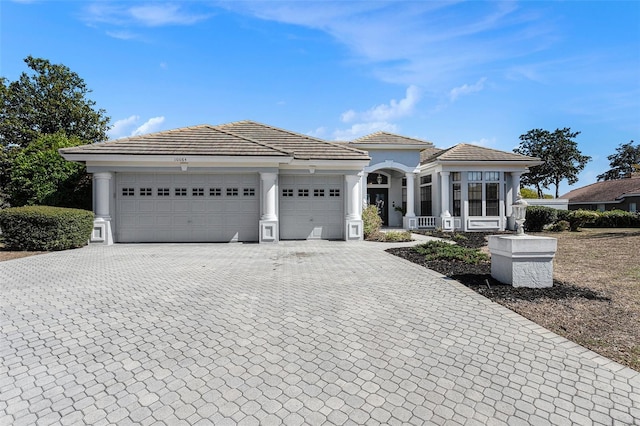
292	333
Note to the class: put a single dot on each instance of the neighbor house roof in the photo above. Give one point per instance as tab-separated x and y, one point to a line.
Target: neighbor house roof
243	138
467	152
384	138
604	192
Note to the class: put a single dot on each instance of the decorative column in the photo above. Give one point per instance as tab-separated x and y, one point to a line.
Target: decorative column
353	220
409	220
446	221
444	192
363	189
269	218
102	222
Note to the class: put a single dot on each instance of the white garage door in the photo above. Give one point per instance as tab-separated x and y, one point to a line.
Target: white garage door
311	207
186	207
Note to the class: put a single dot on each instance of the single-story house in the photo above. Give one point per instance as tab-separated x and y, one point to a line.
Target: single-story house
618	194
247	181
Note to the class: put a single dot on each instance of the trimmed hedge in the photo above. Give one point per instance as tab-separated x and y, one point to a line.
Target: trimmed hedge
45	228
538	217
616	219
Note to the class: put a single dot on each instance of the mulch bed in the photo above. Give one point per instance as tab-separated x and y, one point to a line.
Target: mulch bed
478	277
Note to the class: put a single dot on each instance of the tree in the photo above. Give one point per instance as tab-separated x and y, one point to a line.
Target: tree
51	100
626	160
562	158
41	176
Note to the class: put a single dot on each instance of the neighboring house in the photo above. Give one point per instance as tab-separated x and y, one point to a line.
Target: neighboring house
619	194
246	181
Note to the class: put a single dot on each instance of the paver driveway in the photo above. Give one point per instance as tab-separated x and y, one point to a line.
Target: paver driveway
293	333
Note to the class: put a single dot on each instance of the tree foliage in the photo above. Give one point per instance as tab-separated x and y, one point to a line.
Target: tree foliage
562	158
52	99
41	176
626	160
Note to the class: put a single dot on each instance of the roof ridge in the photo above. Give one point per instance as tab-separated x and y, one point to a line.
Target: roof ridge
264	144
161	132
290	132
382	132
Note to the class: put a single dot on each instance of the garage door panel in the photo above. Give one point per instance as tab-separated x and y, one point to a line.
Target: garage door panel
186	207
307	209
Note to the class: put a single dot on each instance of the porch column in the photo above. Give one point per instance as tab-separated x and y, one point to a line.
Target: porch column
446	221
102	181
353	195
411	181
268	196
363	188
353	220
444	192
409	221
269	219
514	190
102	223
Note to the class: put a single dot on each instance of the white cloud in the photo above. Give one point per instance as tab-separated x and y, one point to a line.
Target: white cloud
428	44
466	89
320	132
147	15
149	126
154	15
379	117
122	35
129	127
384	112
360	129
121	128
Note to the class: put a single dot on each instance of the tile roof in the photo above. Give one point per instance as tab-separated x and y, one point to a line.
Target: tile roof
243	138
467	152
300	146
606	191
194	140
384	138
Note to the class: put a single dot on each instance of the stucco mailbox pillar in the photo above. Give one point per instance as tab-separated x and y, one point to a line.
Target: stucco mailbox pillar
523	260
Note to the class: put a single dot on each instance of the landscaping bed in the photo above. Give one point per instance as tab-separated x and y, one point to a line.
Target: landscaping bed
595	299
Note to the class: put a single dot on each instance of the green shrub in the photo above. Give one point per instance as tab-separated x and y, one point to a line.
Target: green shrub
391	237
538	217
579	218
563	215
616	219
440	250
560	226
371	221
45	228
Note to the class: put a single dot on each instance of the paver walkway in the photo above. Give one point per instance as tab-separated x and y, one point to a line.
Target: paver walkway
293	333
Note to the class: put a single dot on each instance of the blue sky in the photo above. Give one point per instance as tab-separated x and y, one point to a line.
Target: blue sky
448	72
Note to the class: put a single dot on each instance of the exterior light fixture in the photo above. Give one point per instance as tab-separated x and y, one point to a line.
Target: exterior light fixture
379	179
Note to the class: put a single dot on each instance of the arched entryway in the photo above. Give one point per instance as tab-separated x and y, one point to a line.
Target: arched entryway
378	185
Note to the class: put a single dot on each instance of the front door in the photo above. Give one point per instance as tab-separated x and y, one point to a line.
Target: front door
379	197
